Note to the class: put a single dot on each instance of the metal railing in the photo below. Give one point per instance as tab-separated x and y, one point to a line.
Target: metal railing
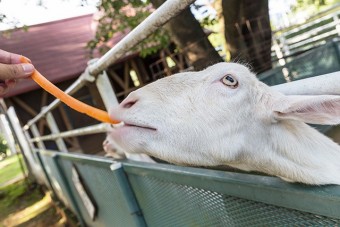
315	32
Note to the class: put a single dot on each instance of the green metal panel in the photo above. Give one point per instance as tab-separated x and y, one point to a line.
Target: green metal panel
321	60
104	186
170	195
59	187
181	196
272	77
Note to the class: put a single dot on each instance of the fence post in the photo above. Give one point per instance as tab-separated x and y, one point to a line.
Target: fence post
106	91
55	158
337	26
284	45
42	165
36	134
55	130
23	143
127	192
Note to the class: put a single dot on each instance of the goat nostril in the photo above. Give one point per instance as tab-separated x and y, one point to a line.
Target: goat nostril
129	104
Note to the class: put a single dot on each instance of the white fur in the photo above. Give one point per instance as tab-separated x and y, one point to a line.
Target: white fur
192	118
113	151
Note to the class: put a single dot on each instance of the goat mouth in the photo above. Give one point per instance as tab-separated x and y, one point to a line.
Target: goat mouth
133	125
140	126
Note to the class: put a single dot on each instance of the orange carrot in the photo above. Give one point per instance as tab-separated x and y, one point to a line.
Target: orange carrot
75	104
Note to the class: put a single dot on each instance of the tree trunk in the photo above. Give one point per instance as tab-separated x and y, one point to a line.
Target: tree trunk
189	36
248	32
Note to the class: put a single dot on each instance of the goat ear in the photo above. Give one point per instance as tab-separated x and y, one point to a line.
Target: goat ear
322	109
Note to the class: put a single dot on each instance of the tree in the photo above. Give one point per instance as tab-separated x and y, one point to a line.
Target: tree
120	17
184	30
248	32
189	36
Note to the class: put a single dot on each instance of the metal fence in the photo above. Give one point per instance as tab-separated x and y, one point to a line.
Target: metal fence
102	192
316	31
321	60
145	194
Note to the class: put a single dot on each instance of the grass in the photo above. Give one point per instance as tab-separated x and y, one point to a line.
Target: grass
17	196
24	203
10	168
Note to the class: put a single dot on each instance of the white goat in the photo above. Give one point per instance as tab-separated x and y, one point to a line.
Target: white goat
224	116
113	151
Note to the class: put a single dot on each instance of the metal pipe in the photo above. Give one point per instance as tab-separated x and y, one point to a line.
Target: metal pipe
328	84
36	134
23	143
52	124
158	18
100	128
106	91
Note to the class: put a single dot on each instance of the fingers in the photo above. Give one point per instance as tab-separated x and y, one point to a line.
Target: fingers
9	58
12	69
15	71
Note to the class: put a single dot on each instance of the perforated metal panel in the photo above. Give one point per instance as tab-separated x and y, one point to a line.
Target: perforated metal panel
56	180
105	189
169	204
170	195
322	60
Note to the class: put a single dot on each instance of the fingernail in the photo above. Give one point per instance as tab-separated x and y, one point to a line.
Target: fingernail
28	69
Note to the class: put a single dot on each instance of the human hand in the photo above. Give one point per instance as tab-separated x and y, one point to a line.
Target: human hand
11	69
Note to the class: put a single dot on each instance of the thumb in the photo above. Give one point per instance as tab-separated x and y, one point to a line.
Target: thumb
15	71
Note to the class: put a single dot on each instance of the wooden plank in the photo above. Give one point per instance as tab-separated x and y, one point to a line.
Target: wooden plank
126	75
138	71
73	141
117	78
24	106
142	68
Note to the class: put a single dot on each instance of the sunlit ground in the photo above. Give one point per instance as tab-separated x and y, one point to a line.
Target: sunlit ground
31	212
22	203
10	170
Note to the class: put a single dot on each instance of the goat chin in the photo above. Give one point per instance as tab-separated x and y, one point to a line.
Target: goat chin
224	115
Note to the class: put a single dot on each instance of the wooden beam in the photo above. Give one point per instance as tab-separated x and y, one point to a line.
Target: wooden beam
42	123
25	106
74	141
126	92
138	71
142	68
116	78
44	99
126	75
165	64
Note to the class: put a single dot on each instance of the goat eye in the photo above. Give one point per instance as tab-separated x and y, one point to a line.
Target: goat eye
230	81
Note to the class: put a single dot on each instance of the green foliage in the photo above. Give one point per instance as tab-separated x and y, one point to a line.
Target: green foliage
3	144
10	168
122	16
313	6
207	20
17	196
